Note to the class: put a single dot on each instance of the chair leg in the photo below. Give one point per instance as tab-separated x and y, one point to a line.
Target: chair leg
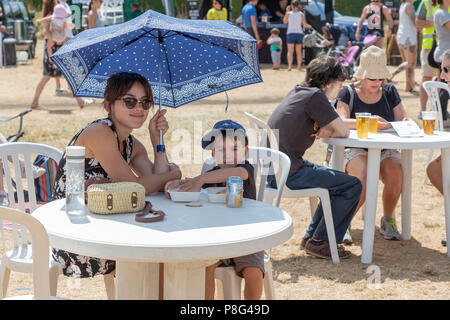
219	289
269	291
231	284
313	202
54	274
110	286
327	214
5	272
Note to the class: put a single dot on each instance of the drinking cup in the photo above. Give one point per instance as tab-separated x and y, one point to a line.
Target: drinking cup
373	124
429	121
362	125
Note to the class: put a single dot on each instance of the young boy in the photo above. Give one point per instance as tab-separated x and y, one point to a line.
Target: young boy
276	47
228	143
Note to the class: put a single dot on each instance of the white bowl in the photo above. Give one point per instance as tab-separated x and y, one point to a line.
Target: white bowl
184	196
215	196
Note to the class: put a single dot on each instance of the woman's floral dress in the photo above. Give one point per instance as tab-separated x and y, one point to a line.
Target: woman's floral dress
75	265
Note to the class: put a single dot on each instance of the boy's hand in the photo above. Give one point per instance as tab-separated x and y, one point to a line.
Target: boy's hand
191	185
173	184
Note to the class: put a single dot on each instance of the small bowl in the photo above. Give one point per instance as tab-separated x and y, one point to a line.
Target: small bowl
215	196
184	196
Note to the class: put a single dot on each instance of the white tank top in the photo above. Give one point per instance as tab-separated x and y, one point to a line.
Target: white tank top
295	22
407	31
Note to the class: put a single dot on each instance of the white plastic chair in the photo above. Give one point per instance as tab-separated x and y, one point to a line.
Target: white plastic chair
229	285
264	133
432	90
20	258
312	193
41	254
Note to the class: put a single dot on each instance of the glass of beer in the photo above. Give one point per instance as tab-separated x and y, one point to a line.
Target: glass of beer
373	124
429	121
362	125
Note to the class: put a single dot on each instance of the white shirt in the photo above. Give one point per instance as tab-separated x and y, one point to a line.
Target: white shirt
295	22
407	31
68	31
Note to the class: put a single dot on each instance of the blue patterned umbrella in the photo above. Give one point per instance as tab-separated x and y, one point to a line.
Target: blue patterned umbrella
183	60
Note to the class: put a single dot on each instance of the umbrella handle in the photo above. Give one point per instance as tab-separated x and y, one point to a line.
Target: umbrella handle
160	147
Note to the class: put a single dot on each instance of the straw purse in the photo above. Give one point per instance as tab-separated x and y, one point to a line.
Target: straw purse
116	197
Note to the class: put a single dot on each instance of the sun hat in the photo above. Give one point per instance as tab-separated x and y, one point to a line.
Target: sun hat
219	129
59	12
373	64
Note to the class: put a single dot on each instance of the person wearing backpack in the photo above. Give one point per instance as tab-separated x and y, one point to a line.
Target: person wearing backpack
371	95
375	13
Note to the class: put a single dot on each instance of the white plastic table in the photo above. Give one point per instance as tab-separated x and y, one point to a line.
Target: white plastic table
375	143
187	240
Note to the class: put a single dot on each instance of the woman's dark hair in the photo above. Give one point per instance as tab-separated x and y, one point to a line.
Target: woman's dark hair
219	2
47	8
439	2
120	83
323	70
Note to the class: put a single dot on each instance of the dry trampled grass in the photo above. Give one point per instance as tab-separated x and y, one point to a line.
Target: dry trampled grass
414	269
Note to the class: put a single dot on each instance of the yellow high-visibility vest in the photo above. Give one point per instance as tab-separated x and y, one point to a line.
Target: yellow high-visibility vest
427	33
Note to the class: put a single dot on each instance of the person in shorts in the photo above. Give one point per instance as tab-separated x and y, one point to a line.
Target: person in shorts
424	20
296	21
228	143
383	100
276	47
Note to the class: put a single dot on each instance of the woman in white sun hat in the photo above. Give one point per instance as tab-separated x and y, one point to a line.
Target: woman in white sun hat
371	94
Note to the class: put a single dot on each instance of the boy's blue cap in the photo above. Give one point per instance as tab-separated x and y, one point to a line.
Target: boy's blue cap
218	128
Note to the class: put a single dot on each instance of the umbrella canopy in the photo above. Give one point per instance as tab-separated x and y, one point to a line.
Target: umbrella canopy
183	60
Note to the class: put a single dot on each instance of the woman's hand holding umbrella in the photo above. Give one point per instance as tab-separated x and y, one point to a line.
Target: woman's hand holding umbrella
158	123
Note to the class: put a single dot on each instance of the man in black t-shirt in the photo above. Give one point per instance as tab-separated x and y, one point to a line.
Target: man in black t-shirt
229	145
302	116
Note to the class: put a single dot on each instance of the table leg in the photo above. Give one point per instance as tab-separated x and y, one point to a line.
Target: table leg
373	174
185	280
445	163
337	158
407	156
137	280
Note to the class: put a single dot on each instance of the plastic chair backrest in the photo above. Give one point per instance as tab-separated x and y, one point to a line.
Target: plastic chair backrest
41	252
13	151
267	162
431	88
262	132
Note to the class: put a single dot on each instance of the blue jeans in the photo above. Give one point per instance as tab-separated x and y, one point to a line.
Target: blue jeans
345	192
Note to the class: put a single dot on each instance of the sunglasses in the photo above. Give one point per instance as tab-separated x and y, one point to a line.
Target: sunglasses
130	103
445	69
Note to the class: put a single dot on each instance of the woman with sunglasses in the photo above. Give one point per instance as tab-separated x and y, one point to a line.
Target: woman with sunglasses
113	153
370	94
